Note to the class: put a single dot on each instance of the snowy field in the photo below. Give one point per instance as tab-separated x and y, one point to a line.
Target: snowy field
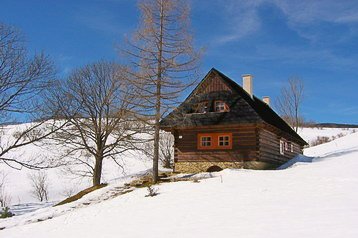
317	199
311	134
19	187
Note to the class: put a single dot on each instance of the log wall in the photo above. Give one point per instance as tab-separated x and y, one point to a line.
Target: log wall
244	145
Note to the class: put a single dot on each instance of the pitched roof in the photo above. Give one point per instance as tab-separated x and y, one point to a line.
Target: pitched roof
243	109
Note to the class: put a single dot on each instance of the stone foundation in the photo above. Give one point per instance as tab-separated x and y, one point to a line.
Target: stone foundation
197	167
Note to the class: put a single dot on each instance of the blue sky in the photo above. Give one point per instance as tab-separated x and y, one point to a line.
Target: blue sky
271	39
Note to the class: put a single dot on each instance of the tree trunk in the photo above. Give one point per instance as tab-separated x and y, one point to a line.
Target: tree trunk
156	153
97	172
158	100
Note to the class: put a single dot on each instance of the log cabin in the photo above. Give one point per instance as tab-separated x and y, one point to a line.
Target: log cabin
223	125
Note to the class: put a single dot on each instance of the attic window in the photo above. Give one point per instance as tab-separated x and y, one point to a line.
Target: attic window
201	107
221	106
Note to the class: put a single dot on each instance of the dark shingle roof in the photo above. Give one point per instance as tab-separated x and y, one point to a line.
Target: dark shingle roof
243	109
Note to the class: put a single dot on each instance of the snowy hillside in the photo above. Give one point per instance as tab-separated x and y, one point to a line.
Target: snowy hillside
317	199
311	134
18	183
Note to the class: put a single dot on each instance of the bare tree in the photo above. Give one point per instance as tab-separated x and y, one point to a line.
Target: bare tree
40	185
69	191
5	198
96	102
23	82
166	149
164	61
290	101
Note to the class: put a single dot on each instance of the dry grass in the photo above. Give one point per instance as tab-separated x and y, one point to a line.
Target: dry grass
81	194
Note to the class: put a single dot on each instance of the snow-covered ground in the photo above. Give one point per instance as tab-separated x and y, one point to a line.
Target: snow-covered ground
18	182
317	199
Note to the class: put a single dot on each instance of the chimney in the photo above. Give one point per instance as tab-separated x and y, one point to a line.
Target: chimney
247	83
266	100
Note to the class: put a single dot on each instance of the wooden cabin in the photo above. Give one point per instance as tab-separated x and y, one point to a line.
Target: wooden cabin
222	125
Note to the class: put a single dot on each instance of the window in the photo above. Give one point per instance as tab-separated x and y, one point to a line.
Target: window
286	145
205	141
221	106
289	146
211	141
224	140
201	107
282	147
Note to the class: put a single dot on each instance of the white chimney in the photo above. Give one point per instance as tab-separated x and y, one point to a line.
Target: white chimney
266	100
247	83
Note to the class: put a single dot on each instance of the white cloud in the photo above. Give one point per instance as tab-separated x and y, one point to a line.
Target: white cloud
236	19
306	14
308	11
241	18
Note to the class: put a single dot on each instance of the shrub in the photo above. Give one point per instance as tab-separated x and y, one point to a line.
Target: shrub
152	191
320	140
6	213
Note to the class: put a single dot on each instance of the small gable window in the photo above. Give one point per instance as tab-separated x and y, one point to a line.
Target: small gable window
221	106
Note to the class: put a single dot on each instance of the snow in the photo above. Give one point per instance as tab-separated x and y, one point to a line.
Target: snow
316	199
19	187
20	209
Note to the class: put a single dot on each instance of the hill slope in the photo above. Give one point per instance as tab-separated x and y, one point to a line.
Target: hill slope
317	199
19	188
